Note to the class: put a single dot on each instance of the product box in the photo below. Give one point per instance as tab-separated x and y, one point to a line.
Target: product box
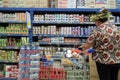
43	3
105	3
11	71
31	3
53	4
111	3
5	4
90	3
81	3
101	3
71	3
62	3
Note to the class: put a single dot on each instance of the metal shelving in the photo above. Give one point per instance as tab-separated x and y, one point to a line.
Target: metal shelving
49	43
13	35
8	62
53	35
20	22
63	22
8	79
10	47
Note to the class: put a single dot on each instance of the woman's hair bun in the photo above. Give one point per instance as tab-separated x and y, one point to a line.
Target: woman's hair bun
104	11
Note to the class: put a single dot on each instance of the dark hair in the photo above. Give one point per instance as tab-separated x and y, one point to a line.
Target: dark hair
104	19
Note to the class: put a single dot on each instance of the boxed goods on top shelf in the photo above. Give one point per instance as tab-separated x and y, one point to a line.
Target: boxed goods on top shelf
61	3
13	17
25	3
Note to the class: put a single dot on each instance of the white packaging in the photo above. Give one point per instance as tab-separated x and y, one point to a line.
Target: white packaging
71	3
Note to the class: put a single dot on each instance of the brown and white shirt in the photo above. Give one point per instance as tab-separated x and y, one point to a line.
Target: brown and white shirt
106	42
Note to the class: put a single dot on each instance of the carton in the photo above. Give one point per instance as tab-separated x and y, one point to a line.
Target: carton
62	3
53	4
71	3
43	3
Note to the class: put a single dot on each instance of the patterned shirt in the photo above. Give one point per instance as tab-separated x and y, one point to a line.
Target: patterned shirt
106	42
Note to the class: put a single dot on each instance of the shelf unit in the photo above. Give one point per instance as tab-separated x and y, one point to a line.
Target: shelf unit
59	23
13	29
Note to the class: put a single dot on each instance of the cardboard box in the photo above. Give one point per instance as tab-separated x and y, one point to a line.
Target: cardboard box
62	3
71	3
111	3
5	1
53	4
11	71
90	3
5	4
43	3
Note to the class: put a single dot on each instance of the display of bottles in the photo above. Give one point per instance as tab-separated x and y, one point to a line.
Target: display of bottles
9	56
13	42
62	17
63	30
14	29
67	18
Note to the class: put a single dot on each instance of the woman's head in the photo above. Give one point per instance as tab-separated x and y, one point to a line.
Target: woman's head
101	16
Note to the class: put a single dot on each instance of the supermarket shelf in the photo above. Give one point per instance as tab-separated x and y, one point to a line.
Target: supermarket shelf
20	22
8	62
14	9
9	47
13	34
57	9
69	23
72	9
8	79
70	44
63	22
53	35
65	9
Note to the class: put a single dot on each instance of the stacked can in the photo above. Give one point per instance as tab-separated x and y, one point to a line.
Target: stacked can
29	62
48	70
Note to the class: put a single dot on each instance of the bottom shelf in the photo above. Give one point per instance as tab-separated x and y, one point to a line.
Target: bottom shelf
8	79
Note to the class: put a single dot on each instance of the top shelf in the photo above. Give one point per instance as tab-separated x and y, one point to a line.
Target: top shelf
57	9
72	9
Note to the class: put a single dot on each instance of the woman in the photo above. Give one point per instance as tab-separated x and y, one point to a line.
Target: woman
105	40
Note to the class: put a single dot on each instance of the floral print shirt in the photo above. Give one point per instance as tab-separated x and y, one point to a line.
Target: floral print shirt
106	42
